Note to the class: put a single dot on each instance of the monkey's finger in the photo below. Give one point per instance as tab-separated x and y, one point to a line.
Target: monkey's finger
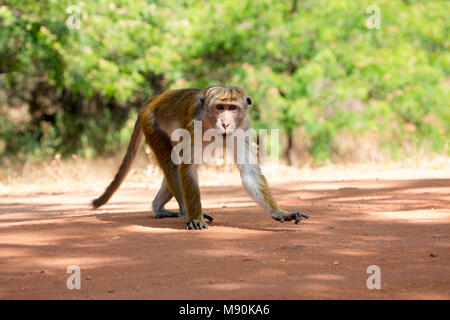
196	225
190	225
299	216
208	217
201	225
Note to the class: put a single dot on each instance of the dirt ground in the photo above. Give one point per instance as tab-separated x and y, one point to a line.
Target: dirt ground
397	219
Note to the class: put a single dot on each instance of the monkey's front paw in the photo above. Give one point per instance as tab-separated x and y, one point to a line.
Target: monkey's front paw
196	225
297	216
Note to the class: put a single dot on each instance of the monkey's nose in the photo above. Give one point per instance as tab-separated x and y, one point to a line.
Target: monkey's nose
225	125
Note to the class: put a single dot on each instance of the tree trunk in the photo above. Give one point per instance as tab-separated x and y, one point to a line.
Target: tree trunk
288	149
294	6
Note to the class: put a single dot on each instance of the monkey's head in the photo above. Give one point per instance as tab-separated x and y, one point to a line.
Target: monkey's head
224	108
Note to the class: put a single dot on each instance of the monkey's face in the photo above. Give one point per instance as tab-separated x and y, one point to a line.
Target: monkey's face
227	116
225	108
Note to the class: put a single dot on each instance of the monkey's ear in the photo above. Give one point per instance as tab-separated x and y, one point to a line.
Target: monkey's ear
249	101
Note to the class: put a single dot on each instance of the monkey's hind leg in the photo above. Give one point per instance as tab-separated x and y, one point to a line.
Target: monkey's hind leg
162	197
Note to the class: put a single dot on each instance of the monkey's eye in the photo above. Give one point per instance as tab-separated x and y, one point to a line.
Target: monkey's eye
220	107
232	107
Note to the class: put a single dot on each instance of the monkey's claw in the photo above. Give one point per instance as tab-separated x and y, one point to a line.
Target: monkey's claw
196	225
297	216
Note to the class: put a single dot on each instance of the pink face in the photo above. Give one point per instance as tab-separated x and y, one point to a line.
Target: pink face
229	115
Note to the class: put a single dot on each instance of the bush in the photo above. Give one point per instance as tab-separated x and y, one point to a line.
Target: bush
312	64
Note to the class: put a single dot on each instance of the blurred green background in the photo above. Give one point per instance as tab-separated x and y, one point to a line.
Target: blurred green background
337	89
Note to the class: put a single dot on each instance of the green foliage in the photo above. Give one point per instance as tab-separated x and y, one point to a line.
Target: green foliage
317	66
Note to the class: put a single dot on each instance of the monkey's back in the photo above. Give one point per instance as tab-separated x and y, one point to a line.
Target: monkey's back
171	109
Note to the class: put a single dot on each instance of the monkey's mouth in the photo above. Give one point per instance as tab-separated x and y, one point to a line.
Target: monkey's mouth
227	133
224	133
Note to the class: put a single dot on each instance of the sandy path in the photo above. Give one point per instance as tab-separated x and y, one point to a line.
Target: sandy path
400	225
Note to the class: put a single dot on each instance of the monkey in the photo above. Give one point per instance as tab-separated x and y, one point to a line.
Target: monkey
222	108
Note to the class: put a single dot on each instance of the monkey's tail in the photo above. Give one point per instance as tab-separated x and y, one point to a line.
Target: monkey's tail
125	166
